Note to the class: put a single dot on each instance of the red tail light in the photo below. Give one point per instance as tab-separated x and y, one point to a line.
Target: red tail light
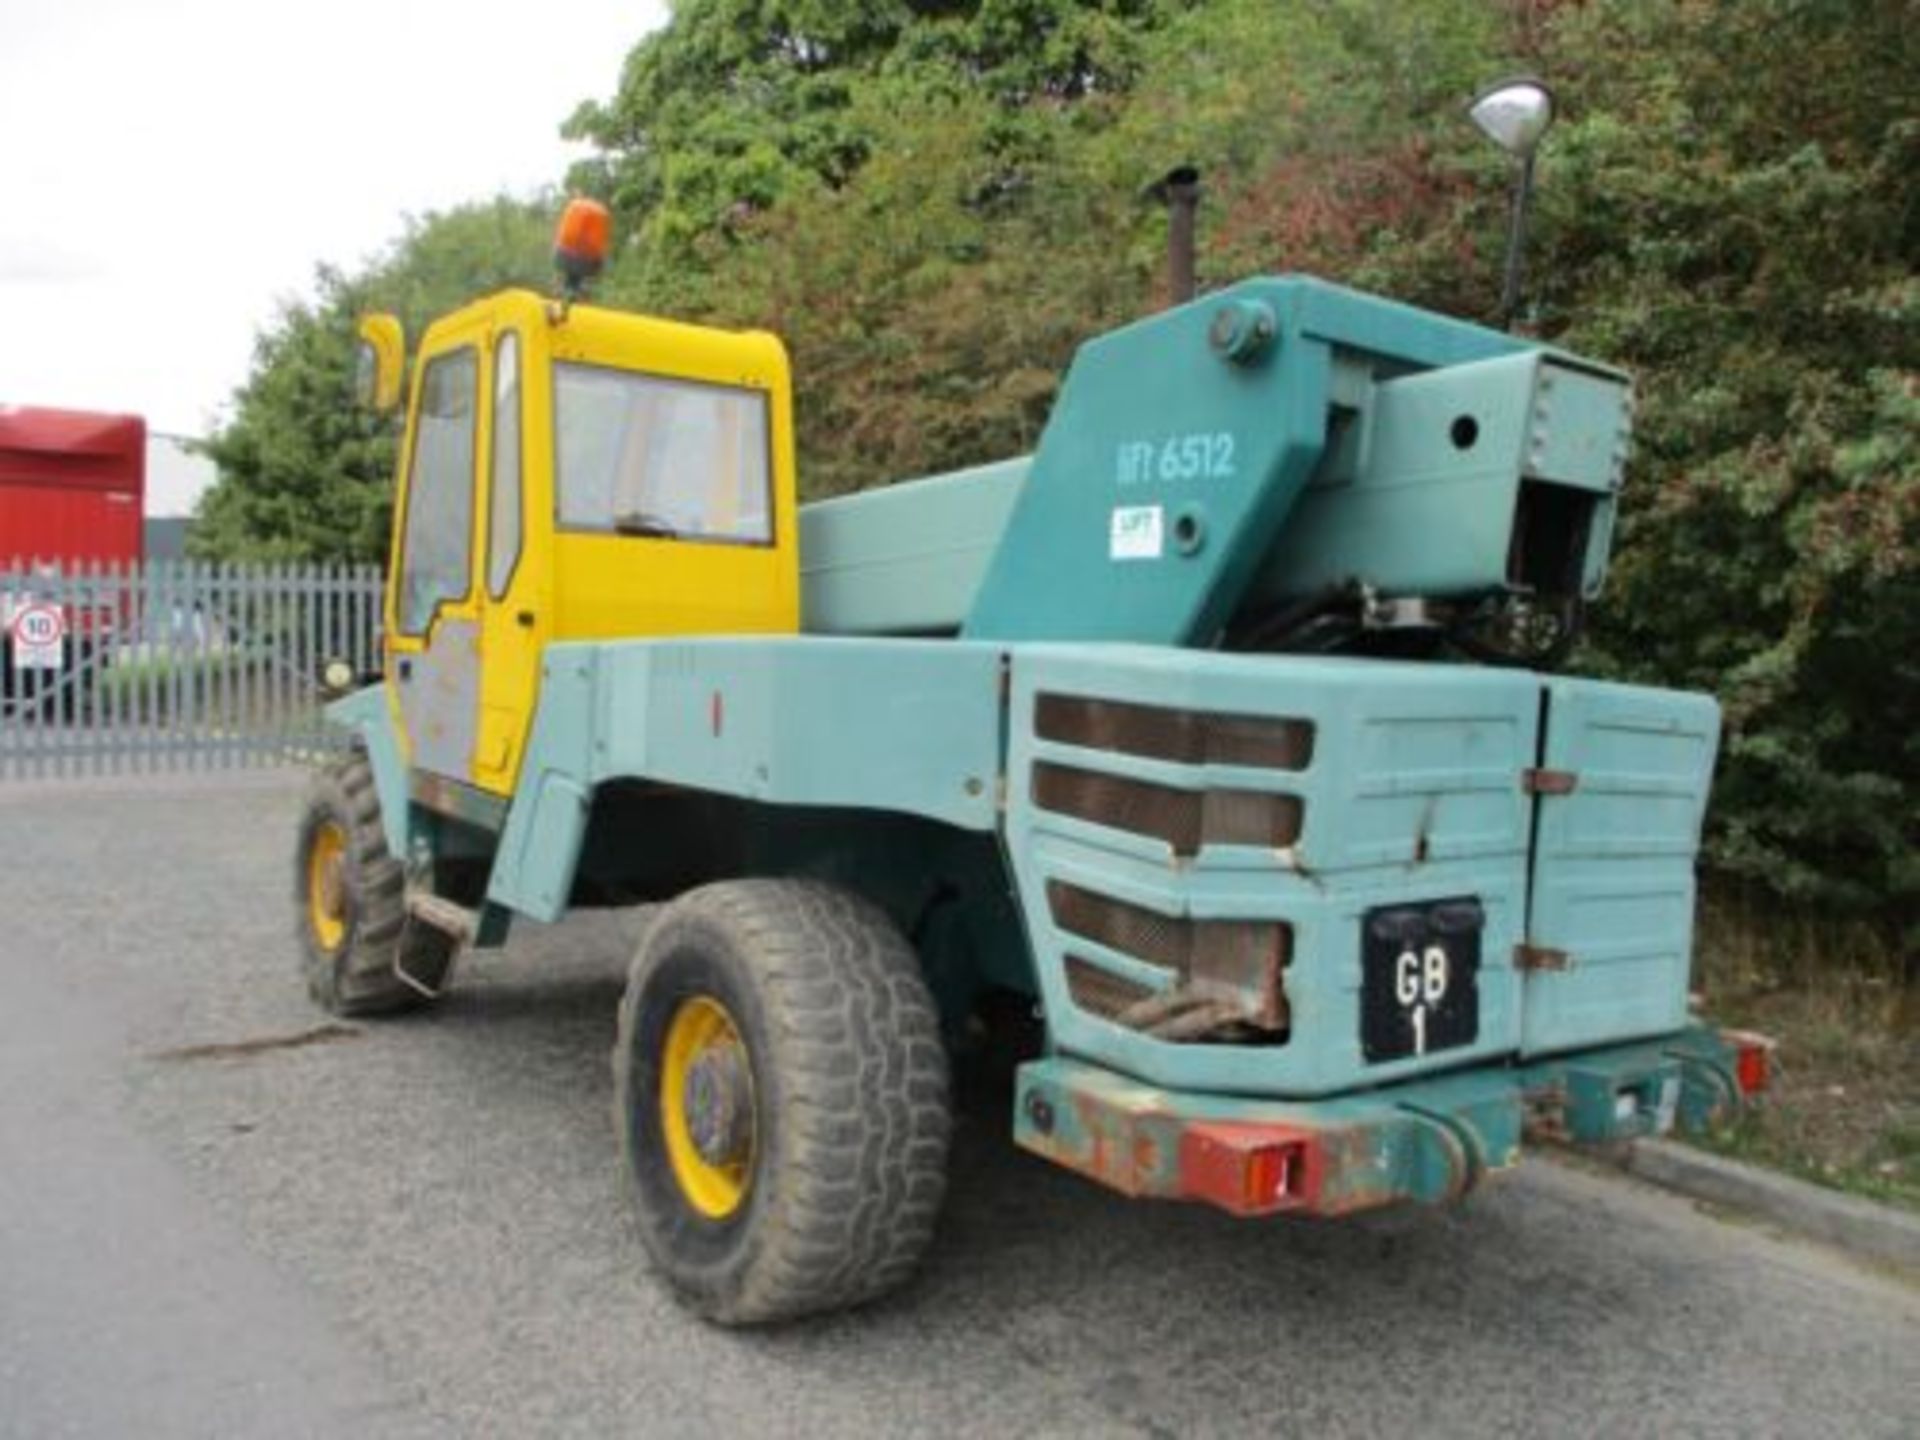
1752	1060
1270	1174
1247	1169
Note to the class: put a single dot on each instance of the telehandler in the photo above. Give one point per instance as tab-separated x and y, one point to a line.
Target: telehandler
1221	730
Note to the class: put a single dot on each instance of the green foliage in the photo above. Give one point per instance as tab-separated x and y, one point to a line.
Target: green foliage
932	297
1731	215
305	474
931	326
935	201
738	104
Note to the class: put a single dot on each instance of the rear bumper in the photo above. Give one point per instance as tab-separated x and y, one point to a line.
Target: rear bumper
1428	1140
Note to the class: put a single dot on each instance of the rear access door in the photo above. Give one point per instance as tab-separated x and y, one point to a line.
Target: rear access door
1622	789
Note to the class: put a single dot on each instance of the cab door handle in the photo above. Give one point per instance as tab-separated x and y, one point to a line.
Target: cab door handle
405	668
524	618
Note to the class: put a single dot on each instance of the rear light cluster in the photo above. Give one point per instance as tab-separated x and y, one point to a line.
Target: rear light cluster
1249	1169
1752	1060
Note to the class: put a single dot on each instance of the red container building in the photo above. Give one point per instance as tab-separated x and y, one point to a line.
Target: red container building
72	486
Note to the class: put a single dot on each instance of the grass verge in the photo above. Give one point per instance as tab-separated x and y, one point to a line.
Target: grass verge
1844	1108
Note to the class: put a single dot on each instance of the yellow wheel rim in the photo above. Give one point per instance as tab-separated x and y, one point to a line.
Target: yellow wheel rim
706	1107
326	890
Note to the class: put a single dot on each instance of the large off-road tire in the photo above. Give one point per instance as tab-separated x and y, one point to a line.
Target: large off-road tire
349	904
780	1090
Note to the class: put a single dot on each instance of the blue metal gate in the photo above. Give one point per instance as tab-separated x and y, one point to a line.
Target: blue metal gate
108	670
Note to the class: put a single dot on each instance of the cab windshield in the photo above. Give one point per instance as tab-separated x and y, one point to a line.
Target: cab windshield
679	459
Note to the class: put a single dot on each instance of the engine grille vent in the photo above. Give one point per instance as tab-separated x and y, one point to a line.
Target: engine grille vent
1144	934
1239	962
1101	992
1184	819
1185	737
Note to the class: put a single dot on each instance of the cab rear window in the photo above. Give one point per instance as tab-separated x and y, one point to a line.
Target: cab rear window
675	459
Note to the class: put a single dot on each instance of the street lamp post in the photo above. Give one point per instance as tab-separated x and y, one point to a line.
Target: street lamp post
1515	114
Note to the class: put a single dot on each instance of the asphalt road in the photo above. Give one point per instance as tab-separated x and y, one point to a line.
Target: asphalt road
419	1227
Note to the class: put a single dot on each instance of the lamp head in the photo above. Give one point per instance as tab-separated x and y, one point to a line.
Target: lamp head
1514	114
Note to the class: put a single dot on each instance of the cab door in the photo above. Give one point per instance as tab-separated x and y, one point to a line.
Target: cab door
514	605
433	611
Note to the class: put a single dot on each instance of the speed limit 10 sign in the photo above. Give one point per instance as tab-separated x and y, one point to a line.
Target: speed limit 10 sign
37	633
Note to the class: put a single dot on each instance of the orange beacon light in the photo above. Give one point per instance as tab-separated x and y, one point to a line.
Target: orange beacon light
580	242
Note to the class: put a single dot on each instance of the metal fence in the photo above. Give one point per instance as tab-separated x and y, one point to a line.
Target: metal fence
108	670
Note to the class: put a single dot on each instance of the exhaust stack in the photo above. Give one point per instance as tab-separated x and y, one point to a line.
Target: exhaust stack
1179	191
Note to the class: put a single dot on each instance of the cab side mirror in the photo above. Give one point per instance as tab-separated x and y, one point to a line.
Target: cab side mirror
381	362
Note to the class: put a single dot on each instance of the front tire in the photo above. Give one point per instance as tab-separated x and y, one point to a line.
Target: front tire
781	1098
359	952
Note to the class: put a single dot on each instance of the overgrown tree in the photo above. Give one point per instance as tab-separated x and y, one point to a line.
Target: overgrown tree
303	472
736	105
1732	215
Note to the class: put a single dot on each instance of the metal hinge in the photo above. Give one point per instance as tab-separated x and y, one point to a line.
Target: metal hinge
1538	781
1528	956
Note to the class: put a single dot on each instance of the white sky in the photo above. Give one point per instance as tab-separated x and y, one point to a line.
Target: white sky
170	169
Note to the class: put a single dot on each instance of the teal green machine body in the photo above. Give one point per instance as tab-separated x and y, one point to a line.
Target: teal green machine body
1046	713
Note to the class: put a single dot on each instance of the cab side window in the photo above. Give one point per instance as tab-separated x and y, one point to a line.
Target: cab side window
436	553
503	525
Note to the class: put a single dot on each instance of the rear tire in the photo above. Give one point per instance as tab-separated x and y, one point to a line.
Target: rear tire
349	904
781	1098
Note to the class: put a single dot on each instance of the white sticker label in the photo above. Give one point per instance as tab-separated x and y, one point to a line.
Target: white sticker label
1136	533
